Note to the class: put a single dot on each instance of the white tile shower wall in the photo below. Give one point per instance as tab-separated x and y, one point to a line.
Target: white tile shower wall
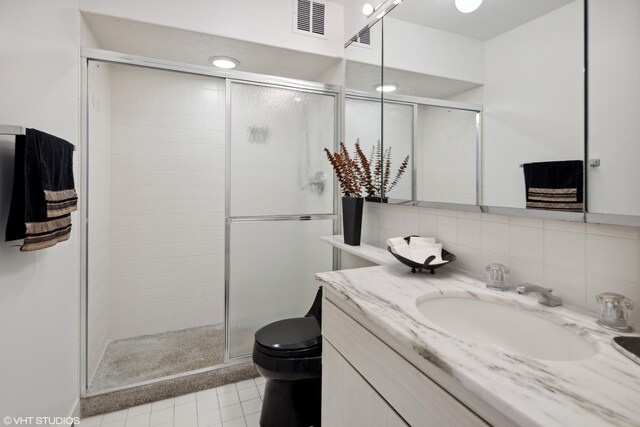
99	297
577	260
167	212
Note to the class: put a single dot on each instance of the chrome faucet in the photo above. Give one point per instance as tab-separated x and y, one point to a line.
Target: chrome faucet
544	294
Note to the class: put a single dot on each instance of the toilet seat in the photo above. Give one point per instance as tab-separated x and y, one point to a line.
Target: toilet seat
290	338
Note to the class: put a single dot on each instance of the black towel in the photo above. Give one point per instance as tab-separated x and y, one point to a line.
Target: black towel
554	185
44	192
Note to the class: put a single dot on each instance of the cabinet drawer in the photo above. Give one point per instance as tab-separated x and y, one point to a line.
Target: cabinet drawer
347	399
419	400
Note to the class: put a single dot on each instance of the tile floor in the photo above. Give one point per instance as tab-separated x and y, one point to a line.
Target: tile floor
232	405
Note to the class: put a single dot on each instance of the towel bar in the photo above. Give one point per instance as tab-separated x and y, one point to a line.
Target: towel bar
16	130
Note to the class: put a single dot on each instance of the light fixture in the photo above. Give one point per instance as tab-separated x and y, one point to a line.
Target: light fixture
386	87
367	9
468	6
397	1
224	62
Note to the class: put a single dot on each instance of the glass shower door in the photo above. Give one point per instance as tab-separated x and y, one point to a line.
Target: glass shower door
281	200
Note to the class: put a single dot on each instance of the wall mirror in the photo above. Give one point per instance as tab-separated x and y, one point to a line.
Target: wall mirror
363	108
613	112
481	94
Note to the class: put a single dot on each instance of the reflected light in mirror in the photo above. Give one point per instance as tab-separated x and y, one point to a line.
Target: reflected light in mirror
387	87
468	6
367	9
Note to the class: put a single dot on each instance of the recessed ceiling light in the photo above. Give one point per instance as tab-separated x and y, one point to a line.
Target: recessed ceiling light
467	6
367	9
224	62
387	87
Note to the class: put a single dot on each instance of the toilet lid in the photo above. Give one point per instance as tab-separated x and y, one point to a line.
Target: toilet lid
290	335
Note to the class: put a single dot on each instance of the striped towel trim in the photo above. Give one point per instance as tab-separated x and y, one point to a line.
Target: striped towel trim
553	199
40	235
556	206
59	196
553	190
34	243
61	203
565	199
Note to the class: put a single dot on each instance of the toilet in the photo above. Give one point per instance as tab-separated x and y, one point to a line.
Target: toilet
288	353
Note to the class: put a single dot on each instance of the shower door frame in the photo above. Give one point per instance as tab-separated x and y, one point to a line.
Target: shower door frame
230	219
99	55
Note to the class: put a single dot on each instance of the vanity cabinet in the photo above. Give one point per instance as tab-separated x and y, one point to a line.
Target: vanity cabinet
367	383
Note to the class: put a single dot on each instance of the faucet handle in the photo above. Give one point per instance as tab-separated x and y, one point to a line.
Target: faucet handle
497	268
614	311
497	277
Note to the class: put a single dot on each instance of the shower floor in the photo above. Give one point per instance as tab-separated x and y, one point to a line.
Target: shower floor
132	360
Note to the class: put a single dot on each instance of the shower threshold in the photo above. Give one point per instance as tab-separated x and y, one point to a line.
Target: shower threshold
148	357
139	370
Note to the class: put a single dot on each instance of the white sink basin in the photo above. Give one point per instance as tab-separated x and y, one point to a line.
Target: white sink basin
507	327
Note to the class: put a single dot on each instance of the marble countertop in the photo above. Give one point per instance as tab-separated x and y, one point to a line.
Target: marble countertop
603	390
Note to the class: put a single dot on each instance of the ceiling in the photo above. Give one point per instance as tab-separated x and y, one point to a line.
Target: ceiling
138	38
492	18
364	77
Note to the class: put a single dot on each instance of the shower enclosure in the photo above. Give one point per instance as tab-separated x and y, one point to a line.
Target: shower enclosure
204	196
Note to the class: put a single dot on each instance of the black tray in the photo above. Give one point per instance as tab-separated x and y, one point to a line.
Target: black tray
415	266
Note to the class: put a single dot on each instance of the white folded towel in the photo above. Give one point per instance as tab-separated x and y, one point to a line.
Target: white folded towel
420	255
397	242
418	249
418	242
403	252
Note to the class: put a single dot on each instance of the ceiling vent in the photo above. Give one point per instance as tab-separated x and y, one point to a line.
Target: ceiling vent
363	38
309	18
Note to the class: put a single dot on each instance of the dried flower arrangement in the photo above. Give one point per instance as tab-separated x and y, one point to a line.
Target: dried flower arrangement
355	173
347	170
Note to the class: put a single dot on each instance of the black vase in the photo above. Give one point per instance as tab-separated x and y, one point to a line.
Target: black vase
352	219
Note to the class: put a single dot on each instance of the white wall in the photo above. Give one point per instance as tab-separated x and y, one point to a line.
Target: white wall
98	257
446	154
167	201
267	22
533	101
423	50
439	53
614	89
577	260
39	298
